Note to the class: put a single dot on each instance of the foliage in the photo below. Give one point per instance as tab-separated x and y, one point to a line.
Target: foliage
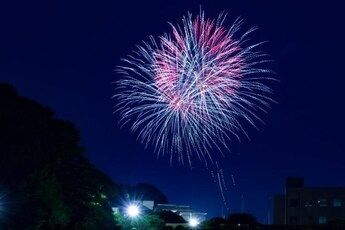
244	219
145	222
43	167
214	223
152	222
48	199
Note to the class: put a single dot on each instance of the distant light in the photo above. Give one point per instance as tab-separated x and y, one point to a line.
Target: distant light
133	210
193	222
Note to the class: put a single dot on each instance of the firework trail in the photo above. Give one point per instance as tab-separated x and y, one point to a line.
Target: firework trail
233	180
188	92
219	178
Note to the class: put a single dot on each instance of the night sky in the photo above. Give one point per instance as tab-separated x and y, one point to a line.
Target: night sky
63	54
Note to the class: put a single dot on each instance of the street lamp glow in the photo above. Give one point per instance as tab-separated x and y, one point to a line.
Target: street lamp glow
133	210
193	222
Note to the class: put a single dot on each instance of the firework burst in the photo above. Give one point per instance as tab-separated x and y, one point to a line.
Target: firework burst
188	92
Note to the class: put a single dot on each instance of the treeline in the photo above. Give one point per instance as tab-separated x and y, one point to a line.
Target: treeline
46	182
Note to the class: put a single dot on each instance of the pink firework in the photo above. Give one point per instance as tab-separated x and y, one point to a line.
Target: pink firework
188	92
198	64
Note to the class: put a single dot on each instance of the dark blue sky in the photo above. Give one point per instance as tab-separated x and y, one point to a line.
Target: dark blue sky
63	54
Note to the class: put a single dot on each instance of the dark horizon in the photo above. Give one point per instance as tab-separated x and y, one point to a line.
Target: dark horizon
63	55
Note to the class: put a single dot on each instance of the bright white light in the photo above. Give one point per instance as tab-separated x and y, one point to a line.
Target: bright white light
193	222
133	210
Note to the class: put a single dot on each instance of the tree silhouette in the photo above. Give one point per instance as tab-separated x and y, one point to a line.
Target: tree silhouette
214	223
43	167
241	219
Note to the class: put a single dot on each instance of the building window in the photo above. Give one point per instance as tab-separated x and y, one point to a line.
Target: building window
336	203
322	220
308	203
322	202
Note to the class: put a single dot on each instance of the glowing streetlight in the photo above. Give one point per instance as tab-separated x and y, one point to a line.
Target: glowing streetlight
133	211
193	222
